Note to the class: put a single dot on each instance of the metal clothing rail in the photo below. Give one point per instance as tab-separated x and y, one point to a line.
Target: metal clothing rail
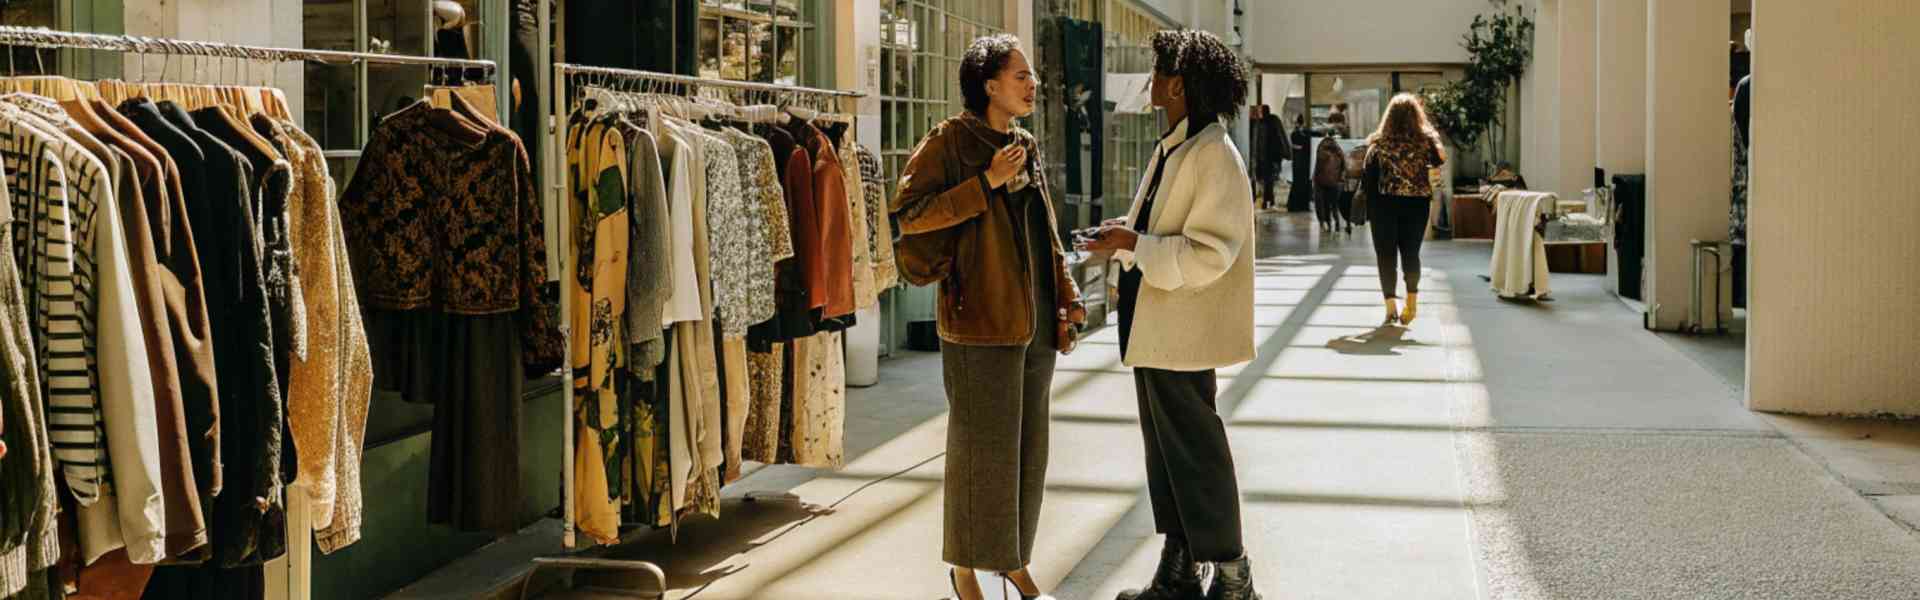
568	69
48	38
554	163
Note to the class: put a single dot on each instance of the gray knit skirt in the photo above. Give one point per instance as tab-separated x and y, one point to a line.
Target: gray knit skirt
996	452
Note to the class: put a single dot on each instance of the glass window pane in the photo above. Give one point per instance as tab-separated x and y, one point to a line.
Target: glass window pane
789	57
392	87
761	52
710	48
1361	96
736	37
331	99
886	73
400	25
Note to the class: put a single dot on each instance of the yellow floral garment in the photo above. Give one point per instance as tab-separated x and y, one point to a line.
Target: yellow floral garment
596	291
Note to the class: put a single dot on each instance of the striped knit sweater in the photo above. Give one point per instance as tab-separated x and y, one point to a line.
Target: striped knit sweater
57	276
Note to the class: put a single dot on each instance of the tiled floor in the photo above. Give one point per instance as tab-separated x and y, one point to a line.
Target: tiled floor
1492	450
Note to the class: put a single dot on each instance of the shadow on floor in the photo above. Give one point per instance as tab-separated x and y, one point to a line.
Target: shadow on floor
1385	340
704	550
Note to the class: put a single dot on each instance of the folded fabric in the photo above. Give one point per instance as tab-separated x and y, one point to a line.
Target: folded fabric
1519	264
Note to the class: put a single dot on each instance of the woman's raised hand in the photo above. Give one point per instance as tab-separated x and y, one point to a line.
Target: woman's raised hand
1006	164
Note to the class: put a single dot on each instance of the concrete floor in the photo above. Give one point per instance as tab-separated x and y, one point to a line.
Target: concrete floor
1493	450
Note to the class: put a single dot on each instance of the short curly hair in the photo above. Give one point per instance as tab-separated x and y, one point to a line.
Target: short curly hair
982	62
1216	78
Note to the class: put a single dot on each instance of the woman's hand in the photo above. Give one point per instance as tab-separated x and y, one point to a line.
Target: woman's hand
1112	238
1006	164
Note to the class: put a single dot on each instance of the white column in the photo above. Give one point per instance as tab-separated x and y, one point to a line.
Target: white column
1689	137
1576	98
858	55
1620	87
1540	102
1832	213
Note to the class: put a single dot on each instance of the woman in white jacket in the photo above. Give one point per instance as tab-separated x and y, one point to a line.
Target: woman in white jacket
1186	309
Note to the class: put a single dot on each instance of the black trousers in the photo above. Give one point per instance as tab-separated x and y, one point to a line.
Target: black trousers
1326	202
1190	476
1399	226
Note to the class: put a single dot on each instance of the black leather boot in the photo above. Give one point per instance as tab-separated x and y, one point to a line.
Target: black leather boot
1233	581
1177	577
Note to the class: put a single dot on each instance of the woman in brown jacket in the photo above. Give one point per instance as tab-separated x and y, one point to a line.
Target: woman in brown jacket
977	219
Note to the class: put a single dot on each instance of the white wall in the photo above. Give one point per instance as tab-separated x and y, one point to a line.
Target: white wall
260	23
1359	31
1831	328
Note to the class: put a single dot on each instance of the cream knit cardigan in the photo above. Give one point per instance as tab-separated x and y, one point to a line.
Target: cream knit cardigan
1195	308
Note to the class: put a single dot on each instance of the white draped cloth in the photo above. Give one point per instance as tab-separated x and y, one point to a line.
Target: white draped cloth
1519	267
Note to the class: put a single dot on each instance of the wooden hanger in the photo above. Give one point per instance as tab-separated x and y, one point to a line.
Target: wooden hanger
276	103
479	94
57	88
465	108
246	132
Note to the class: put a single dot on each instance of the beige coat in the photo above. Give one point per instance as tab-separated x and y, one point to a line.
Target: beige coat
1195	310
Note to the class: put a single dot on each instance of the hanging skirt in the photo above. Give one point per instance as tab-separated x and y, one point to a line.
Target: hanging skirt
469	368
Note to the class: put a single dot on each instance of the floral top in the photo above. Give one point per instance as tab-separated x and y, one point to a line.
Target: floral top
769	211
1398	167
737	246
442	214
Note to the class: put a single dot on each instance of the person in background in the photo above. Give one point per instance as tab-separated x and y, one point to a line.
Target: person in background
1256	146
1329	182
1275	150
976	217
1186	309
1301	195
1398	190
1337	121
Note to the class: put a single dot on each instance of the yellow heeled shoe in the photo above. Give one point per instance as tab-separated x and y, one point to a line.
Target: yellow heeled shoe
1393	313
1412	310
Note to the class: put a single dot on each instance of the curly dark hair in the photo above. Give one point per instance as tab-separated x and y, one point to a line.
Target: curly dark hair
1216	78
983	61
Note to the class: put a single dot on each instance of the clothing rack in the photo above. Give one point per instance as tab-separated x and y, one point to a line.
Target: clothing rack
295	568
629	80
39	37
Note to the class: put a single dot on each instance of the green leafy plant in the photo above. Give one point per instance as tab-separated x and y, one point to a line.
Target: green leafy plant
1473	108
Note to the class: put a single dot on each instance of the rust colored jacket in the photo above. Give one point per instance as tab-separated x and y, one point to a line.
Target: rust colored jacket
829	271
961	233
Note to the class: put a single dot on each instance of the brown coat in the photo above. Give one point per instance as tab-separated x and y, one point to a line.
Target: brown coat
984	290
1330	168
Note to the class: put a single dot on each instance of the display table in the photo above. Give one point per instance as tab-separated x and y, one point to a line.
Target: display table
1577	257
1472	216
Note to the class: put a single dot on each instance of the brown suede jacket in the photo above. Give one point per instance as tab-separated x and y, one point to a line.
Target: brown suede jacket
957	231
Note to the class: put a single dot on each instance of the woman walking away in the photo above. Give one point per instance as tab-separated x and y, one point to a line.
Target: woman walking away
1186	309
1329	177
977	219
1398	189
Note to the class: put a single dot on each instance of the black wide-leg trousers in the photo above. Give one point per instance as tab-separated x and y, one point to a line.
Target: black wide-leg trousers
1190	476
